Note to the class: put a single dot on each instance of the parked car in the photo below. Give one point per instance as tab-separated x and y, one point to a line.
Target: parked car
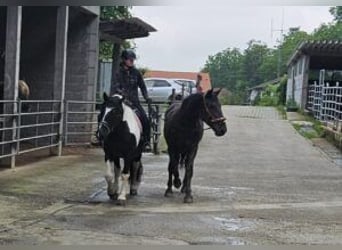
189	84
160	89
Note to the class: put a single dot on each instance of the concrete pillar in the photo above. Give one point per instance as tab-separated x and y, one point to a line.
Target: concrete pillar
115	64
12	60
60	65
306	71
93	52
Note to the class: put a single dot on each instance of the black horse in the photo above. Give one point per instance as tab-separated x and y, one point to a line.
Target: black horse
120	130
183	131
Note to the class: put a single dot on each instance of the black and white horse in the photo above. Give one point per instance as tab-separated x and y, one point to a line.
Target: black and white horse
183	131
121	130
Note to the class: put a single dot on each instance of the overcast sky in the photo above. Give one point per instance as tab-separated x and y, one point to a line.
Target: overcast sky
188	34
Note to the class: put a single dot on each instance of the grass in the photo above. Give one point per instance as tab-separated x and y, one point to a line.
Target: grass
318	130
282	111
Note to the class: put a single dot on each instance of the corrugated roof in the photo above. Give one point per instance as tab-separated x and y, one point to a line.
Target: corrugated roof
332	48
205	83
263	85
124	29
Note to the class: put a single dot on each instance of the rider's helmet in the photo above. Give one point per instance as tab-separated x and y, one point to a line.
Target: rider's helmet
128	54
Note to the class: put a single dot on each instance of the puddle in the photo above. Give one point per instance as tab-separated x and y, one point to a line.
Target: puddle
338	162
234	241
234	224
242	188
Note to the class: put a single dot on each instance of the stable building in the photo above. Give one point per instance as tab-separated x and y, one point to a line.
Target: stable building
313	62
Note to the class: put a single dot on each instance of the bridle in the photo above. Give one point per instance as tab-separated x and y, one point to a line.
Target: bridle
211	116
106	125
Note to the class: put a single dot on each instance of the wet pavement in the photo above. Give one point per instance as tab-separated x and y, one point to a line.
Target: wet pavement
261	184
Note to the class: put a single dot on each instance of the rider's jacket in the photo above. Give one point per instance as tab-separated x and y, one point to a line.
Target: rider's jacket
127	82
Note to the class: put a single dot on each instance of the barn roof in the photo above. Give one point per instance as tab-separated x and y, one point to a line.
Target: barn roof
265	84
313	48
119	30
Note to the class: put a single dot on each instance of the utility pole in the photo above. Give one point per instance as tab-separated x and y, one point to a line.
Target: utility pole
279	41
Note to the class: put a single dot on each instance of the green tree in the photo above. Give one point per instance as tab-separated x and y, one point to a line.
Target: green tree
291	41
331	31
108	13
337	13
225	68
268	70
254	56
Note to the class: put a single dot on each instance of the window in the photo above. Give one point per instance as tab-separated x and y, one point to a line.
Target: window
149	83
161	83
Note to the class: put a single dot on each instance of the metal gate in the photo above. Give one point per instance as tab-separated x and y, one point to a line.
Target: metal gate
48	124
31	130
80	122
325	100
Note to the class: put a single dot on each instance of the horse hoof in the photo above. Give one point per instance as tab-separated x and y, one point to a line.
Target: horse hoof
188	199
121	203
168	193
133	192
177	183
113	197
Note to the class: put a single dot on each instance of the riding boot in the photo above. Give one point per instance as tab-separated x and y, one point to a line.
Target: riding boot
145	127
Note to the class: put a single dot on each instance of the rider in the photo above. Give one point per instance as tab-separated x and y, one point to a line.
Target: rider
128	80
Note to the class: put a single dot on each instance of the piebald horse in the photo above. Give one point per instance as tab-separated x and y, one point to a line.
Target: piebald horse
120	130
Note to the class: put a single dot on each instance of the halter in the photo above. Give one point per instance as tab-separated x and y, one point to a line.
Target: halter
106	125
213	119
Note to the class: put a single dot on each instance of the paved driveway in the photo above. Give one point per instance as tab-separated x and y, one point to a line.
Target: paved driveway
261	184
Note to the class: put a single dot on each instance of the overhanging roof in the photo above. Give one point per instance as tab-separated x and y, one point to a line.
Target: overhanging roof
315	48
119	30
263	85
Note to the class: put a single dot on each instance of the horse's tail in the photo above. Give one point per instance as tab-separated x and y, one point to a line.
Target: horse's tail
182	161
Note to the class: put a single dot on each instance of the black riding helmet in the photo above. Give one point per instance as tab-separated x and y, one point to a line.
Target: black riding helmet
128	54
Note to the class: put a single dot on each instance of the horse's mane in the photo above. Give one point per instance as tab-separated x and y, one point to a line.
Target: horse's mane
193	98
192	103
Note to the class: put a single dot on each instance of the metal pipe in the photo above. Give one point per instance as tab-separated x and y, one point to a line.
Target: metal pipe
37	148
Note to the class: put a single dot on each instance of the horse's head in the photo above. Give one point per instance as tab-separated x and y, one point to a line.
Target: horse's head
212	112
112	114
24	94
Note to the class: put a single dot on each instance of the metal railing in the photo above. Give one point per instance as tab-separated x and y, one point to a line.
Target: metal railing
49	124
80	122
325	102
24	131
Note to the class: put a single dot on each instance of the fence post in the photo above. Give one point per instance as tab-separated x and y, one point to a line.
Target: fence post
14	134
156	137
61	127
66	118
19	125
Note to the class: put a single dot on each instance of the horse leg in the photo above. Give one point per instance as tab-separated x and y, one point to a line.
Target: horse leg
177	181
184	184
135	178
117	173
109	176
173	163
125	181
182	165
189	165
